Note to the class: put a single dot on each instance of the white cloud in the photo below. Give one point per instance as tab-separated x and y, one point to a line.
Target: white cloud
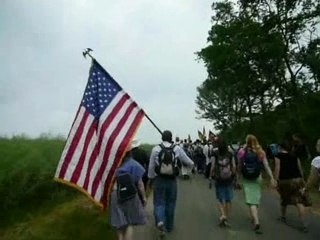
147	46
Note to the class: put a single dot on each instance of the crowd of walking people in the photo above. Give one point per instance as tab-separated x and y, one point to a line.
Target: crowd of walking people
227	167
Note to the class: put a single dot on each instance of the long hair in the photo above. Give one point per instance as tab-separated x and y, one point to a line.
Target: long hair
222	146
126	157
252	142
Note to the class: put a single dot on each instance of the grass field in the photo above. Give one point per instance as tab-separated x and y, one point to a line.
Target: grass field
33	206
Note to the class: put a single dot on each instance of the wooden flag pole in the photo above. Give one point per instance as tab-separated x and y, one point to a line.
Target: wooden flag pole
86	53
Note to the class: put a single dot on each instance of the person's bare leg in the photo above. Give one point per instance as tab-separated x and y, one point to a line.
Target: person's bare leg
302	213
221	208
228	207
120	235
283	216
254	214
128	233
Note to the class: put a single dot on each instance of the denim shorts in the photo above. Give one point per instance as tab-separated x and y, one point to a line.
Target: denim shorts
224	193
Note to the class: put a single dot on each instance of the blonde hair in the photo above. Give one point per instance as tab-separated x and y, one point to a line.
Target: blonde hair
252	142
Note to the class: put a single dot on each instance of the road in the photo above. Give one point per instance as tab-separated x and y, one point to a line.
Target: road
197	217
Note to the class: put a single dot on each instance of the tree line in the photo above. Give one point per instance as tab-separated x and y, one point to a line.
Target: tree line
263	65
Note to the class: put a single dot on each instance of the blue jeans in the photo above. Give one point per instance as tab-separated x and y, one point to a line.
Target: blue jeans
164	201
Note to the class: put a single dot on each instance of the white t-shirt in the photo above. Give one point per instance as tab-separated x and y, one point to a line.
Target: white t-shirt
316	162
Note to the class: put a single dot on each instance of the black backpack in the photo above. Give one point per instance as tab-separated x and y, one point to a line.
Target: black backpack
167	162
126	188
251	166
199	152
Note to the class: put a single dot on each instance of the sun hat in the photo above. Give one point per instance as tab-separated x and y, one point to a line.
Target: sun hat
134	144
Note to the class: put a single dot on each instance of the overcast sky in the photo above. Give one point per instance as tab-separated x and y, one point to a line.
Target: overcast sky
147	46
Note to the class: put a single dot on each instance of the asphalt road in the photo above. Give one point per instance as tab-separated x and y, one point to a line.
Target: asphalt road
197	217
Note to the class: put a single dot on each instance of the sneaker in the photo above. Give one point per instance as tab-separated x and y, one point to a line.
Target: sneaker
222	221
226	223
161	229
257	229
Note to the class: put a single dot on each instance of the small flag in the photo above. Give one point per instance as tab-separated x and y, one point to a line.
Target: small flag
211	135
104	125
200	136
204	133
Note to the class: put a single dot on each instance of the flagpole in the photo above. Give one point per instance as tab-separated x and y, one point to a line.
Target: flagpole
153	123
86	53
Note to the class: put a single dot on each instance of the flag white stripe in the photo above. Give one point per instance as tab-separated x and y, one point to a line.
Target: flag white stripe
114	149
77	153
84	170
70	139
109	109
109	130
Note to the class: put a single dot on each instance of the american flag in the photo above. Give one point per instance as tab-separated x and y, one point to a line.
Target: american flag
105	123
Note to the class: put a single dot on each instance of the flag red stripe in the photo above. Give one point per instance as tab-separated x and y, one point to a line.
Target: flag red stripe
109	181
92	159
109	144
76	174
72	126
104	126
73	145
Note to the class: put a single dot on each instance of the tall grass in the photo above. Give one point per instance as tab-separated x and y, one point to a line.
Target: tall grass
30	197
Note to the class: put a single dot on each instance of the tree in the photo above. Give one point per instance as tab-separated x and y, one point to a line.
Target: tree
260	54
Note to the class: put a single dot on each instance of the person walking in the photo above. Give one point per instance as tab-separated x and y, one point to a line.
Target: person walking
126	209
289	174
208	153
141	156
314	176
251	158
185	170
223	170
163	172
199	157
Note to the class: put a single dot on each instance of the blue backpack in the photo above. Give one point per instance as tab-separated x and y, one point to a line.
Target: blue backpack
251	166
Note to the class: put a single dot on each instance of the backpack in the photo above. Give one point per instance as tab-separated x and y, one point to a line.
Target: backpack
274	149
251	166
199	152
126	188
223	168
167	162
